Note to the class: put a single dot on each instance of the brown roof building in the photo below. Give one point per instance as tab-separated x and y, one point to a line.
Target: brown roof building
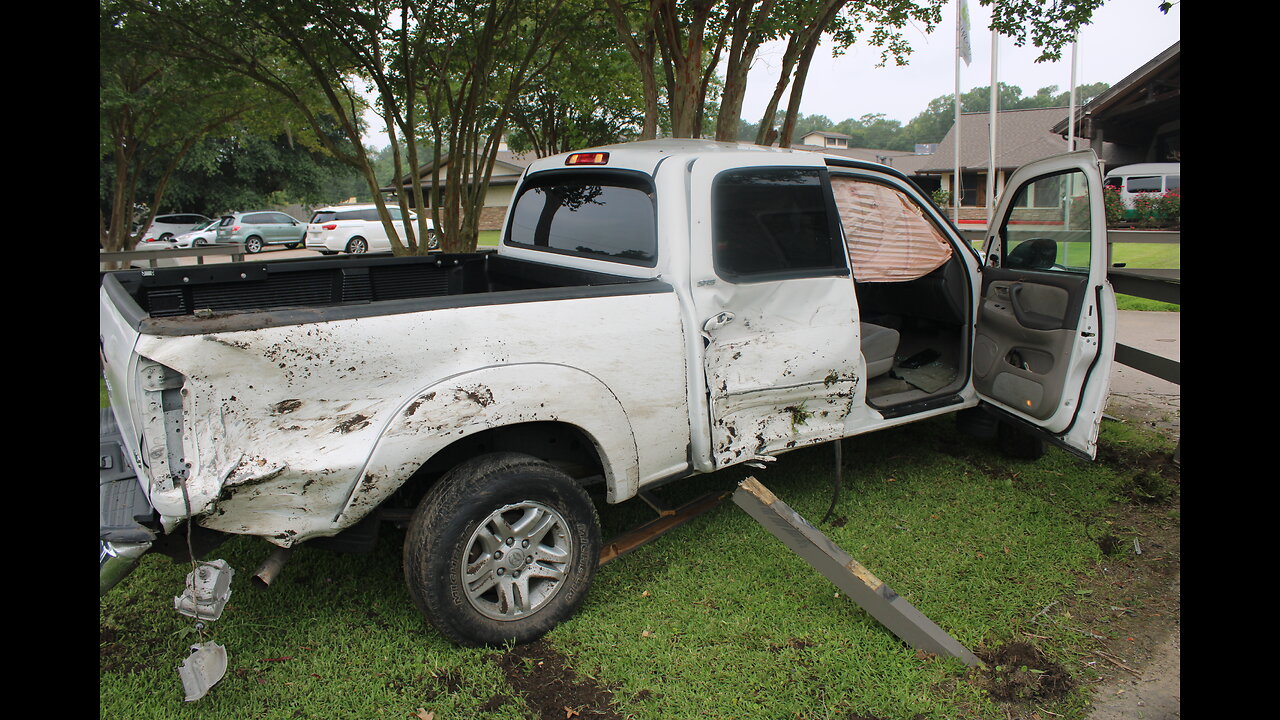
1139	119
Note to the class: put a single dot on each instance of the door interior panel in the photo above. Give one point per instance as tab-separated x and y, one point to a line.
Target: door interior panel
1027	331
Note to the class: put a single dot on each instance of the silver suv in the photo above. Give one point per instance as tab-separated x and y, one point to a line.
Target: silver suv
256	230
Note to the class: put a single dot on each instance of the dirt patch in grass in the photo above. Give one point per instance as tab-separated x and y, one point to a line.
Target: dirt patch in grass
113	656
543	677
1018	672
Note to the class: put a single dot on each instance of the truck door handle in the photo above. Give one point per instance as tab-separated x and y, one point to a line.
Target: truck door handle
718	321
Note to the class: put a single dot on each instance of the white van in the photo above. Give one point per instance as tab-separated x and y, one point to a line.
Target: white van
1134	180
356	229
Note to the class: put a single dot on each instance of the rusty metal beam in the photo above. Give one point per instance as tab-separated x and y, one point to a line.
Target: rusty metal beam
858	583
668	520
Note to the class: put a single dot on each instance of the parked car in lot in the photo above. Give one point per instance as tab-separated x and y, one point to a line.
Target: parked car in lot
165	227
357	229
203	234
151	242
256	230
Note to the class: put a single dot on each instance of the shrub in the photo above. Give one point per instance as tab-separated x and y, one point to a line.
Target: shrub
1113	204
941	198
1158	210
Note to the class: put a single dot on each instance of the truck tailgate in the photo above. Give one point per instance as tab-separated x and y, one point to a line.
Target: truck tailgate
116	340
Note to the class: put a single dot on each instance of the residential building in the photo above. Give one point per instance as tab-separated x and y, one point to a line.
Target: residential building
507	169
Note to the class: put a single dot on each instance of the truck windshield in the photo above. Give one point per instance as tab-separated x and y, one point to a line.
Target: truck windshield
606	216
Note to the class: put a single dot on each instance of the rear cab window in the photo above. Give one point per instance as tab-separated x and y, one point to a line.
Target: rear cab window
601	215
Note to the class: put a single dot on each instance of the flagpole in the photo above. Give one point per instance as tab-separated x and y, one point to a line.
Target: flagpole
1071	119
991	154
955	185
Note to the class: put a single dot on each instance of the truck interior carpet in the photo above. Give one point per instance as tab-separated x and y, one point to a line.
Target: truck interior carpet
930	377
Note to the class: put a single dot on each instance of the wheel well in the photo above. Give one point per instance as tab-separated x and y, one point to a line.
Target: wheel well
563	445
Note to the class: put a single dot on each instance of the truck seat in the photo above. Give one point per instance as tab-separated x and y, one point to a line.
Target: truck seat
879	344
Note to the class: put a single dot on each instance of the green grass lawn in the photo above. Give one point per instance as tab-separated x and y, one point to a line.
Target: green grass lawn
717	619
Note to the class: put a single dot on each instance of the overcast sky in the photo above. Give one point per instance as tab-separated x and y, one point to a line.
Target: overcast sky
1123	36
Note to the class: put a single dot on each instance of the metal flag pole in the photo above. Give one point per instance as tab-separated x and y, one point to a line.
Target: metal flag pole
995	104
1071	118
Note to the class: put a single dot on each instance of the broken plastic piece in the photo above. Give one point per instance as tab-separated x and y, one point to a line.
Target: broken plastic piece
202	669
208	587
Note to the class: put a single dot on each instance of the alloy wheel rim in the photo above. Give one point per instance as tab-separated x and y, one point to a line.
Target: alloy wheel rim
516	560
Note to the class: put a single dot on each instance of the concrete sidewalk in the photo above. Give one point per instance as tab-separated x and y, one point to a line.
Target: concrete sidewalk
1135	395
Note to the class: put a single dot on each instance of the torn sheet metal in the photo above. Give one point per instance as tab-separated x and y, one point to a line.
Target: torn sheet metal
202	669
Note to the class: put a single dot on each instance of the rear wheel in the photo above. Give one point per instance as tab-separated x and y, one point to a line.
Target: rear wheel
357	245
502	549
253	244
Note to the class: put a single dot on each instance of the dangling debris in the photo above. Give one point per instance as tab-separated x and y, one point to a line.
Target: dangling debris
208	587
202	669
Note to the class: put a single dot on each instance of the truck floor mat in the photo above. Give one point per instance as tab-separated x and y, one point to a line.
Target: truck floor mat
930	377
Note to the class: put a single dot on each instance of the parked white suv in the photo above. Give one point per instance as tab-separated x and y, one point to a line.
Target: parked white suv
357	229
165	227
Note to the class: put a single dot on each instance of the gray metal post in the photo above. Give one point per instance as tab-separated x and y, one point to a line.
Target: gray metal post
857	582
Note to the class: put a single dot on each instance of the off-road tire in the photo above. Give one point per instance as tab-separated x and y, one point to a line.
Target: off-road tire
447	521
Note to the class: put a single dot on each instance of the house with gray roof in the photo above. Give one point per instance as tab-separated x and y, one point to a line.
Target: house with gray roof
1022	136
508	167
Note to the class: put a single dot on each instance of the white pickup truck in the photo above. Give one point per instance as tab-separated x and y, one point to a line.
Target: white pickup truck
655	310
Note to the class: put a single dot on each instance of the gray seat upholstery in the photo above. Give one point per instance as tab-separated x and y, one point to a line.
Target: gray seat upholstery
879	344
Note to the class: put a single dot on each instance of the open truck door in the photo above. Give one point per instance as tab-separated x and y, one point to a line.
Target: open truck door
1045	332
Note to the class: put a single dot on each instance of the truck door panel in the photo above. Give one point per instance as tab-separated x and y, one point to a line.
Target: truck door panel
773	293
1045	330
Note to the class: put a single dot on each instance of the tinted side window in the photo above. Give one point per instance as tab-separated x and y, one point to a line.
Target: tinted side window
607	216
254	219
1173	182
770	220
1055	237
282	219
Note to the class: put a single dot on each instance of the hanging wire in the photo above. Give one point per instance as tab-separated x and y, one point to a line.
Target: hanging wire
191	555
835	493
